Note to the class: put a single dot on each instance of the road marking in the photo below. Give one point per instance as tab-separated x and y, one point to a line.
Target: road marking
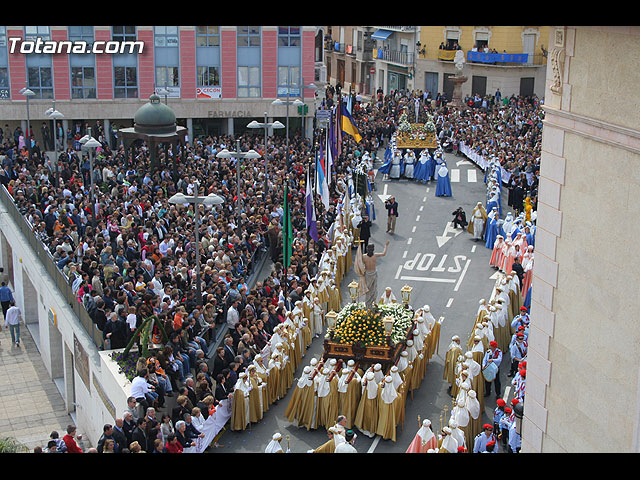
473	249
409	241
449	302
398	272
421	207
404	255
384	195
418	218
506	393
464	271
471	176
374	444
426	279
413	229
455	175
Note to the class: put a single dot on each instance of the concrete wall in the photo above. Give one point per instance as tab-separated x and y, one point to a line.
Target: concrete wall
582	381
92	391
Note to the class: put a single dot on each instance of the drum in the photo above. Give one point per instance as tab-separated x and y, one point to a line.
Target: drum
490	372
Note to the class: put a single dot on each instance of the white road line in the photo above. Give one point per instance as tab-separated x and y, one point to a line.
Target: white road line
449	302
471	175
464	271
473	249
428	191
506	393
374	444
426	279
418	218
404	255
398	271
413	229
409	241
421	207
455	175
424	199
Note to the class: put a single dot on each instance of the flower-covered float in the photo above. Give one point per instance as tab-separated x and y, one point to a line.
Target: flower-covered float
375	334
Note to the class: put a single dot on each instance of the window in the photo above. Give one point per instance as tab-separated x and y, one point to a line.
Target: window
482	41
31	33
125	33
289	81
40	81
248	36
248	82
288	36
207	36
166	36
3	36
83	82
81	33
167	76
208	77
126	82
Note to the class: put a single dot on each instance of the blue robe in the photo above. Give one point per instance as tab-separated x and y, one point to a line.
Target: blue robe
386	166
490	233
431	168
420	169
531	239
443	187
527	299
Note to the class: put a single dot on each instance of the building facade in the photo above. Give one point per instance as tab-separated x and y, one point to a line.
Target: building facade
216	78
520	70
582	379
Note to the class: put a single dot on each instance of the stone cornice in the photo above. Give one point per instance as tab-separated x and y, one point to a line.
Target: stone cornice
597	130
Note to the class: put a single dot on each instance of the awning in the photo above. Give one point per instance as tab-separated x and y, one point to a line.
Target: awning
381	34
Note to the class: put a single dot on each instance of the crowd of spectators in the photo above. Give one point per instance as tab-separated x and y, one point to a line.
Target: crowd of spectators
136	256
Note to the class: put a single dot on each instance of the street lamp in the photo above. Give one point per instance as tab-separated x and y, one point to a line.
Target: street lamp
297	102
224	153
265	125
518	411
28	93
90	144
197	200
54	115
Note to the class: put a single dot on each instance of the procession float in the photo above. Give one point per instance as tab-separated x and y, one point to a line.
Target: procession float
374	334
416	135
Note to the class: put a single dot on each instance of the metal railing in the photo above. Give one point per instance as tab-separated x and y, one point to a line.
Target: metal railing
55	274
393	56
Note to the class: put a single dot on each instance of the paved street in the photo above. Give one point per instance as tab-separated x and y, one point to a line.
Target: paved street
447	270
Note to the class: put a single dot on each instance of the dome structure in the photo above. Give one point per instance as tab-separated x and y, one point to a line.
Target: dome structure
155	118
155	124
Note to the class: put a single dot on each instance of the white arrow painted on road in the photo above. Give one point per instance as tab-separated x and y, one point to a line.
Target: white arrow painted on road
384	195
442	239
495	276
462	162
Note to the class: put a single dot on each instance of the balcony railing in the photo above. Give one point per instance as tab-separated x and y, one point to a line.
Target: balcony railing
499	59
393	56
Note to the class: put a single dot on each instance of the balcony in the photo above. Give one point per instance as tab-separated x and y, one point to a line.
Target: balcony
495	59
398	28
393	56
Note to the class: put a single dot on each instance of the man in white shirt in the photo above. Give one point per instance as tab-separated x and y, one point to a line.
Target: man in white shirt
142	390
233	316
12	321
